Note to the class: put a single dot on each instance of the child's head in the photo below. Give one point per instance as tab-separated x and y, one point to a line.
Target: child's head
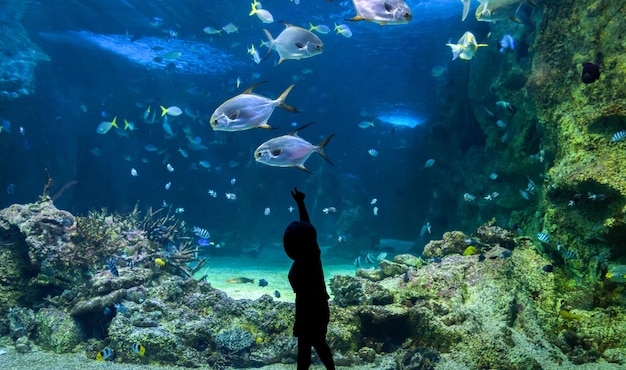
299	239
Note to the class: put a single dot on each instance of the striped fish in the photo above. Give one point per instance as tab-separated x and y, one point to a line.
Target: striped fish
105	354
111	265
619	136
201	233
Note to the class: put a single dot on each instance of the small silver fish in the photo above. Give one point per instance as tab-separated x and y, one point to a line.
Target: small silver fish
382	11
247	110
294	43
290	150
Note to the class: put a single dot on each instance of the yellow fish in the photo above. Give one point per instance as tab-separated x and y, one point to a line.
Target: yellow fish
159	261
105	354
139	349
466	47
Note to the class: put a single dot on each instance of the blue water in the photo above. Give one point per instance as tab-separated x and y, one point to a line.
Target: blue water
102	66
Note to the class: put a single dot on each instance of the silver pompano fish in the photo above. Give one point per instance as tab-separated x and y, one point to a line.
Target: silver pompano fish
290	150
382	11
294	43
497	10
248	110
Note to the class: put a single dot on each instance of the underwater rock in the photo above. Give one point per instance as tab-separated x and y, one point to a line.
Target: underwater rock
21	322
234	340
20	56
370	274
493	235
409	260
389	268
56	330
453	243
97	304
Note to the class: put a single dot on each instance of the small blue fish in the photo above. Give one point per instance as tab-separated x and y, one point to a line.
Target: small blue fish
111	265
373	152
263	282
106	312
120	308
276	294
507	42
205	242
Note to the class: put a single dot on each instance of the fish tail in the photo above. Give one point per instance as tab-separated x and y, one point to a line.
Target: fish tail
271	45
322	145
456	50
163	111
254	9
466	9
114	122
281	100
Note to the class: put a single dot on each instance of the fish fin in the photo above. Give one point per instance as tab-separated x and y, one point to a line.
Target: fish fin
271	45
281	100
287	25
515	19
163	110
114	122
321	146
355	18
280	60
300	166
295	132
249	89
266	126
466	8
254	9
126	125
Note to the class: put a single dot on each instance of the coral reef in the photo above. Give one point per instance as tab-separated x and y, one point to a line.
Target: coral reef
501	309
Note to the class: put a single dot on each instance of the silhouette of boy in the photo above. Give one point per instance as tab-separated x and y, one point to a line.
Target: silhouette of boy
307	280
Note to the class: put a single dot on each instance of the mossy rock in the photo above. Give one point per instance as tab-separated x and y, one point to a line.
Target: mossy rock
56	330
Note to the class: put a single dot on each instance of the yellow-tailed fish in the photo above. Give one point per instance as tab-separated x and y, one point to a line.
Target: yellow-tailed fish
171	111
290	150
264	15
159	261
382	11
104	127
294	43
320	28
240	280
248	110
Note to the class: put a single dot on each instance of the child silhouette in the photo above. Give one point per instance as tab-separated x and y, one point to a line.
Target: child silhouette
307	280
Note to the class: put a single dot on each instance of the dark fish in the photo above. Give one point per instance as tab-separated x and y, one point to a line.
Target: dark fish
591	72
120	308
548	268
263	282
434	260
240	280
505	254
106	311
111	265
405	278
276	294
481	257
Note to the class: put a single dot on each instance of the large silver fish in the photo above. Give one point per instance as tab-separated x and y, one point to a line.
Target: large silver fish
294	43
248	110
497	10
382	11
290	150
